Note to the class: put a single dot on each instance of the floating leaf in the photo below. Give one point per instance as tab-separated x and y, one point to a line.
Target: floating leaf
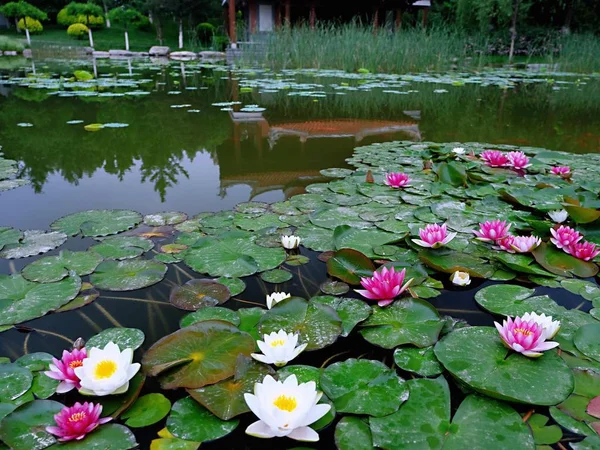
297	260
128	275
334	287
276	276
350	310
587	341
55	268
147	410
34	242
421	361
122	247
350	265
203	353
124	337
191	421
215	313
235	285
563	264
196	294
542	434
452	173
352	433
249	318
449	261
97	222
165	218
346	237
9	236
114	405
25	427
579	214
14	381
110	436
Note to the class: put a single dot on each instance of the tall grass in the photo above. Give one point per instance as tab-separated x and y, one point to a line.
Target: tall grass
580	53
10	44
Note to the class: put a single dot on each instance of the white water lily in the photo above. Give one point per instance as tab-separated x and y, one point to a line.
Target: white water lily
278	348
460	278
549	326
275	298
459	150
290	242
106	371
559	215
285	409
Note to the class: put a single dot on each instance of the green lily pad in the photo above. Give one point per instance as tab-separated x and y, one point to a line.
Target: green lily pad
350	265
215	313
318	325
34	242
165	218
304	374
563	264
110	436
567	422
196	294
25	427
55	268
124	337
477	357
452	173
363	241
115	405
352	433
542	434
589	443
191	421
587	341
297	260
252	223
334	287
521	263
421	361
14	381
276	276
359	386
9	236
97	222
173	444
122	247
351	311
316	238
580	214
87	295
225	399
410	321
22	300
252	207
147	410
249	318
128	275
511	300
449	261
35	361
43	387
203	353
235	285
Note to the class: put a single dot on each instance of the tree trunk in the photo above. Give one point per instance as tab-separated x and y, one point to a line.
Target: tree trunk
513	30
17	24
150	17
566	29
27	34
106	14
126	39
90	33
159	30
180	32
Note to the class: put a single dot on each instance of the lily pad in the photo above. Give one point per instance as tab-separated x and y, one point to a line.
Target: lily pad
318	325
14	381
9	236
350	310
86	295
334	287
350	265
147	410
25	427
111	436
34	242
421	361
196	294
203	353
56	268
124	337
122	247
352	433
276	276
191	421
297	260
128	275
235	285
363	241
410	321
587	341
359	386
449	261
542	434
563	264
165	218
216	313
97	222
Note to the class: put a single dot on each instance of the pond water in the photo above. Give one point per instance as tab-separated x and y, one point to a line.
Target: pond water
196	138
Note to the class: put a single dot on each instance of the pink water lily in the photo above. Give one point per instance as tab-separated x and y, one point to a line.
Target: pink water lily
564	236
525	337
585	251
562	171
384	286
525	244
492	230
397	180
64	370
434	236
518	160
76	421
505	244
495	158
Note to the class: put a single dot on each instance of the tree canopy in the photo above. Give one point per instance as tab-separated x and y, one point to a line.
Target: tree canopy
23	9
84	9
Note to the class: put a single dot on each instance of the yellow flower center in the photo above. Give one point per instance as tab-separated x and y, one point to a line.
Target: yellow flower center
76	417
285	403
277	343
105	369
523	331
76	363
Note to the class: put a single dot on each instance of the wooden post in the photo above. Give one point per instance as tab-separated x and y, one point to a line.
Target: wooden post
398	22
313	15
288	21
252	9
375	20
425	14
232	32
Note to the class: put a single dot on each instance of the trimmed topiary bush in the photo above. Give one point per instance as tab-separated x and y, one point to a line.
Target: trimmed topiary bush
65	19
35	26
77	30
205	32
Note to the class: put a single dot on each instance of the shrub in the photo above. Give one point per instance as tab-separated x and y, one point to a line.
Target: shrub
65	19
77	30
8	44
205	32
35	26
143	24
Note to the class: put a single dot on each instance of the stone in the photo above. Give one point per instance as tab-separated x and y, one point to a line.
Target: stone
119	53
211	55
187	56
10	53
140	54
88	50
99	54
27	53
157	50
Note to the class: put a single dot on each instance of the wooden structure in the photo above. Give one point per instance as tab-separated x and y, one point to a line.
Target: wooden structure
263	16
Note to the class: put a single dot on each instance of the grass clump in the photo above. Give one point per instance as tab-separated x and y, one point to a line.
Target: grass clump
8	44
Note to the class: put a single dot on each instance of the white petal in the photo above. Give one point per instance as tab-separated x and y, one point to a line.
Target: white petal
304	434
63	387
421	243
132	370
261	358
260	429
315	413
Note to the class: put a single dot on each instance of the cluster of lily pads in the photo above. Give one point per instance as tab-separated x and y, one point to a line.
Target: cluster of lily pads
8	174
436	215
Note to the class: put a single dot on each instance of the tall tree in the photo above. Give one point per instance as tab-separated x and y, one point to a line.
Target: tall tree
23	10
126	16
87	10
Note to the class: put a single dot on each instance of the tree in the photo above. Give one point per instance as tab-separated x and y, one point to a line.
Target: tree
125	15
87	10
23	10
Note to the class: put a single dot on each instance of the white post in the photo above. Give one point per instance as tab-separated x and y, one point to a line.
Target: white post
106	15
27	34
150	18
95	68
91	38
129	66
126	40
180	33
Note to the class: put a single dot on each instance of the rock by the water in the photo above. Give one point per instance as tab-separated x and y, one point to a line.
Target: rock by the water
212	55
10	53
27	53
99	54
183	55
157	50
119	53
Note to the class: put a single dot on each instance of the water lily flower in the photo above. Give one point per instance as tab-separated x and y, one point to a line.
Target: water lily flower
518	160
290	242
525	337
275	298
558	215
495	158
434	236
107	371
460	278
564	236
76	421
384	286
458	150
505	244
397	180
278	348
549	326
492	230
562	171
285	409
64	370
525	244
583	250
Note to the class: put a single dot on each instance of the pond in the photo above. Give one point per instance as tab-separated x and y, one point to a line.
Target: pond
241	157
